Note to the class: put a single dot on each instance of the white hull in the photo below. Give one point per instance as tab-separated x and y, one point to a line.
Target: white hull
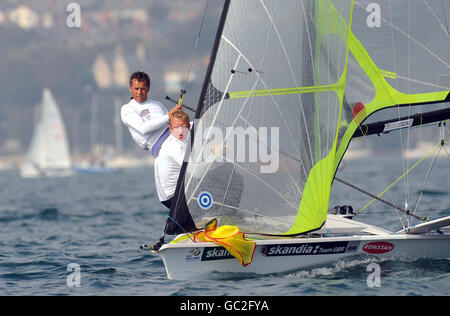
28	173
202	260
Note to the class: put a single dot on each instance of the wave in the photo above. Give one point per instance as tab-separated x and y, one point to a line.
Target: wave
49	214
433	192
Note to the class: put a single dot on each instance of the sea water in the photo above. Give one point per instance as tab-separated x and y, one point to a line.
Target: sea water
81	235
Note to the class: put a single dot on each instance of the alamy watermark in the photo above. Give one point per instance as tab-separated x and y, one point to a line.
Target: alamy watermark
374	18
237	144
74	278
74	17
374	278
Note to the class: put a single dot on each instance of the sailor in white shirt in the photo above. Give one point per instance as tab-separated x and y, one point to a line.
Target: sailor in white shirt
168	163
147	120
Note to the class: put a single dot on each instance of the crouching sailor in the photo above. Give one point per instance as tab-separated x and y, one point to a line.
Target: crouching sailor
170	159
168	163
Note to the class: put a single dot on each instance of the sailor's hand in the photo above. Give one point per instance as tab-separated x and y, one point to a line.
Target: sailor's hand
175	108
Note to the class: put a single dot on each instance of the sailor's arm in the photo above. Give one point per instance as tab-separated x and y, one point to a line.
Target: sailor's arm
133	120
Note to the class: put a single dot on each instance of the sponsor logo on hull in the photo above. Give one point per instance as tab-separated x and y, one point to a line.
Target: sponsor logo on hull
304	249
378	247
216	253
193	255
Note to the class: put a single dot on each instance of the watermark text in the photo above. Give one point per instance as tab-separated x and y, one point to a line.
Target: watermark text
74	17
374	278
74	278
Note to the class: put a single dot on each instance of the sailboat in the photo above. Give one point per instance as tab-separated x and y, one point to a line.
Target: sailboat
48	154
299	78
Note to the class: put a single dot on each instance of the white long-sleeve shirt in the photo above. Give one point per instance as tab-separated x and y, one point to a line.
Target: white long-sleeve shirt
146	121
168	165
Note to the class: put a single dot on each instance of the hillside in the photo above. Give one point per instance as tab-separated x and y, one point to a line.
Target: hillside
152	36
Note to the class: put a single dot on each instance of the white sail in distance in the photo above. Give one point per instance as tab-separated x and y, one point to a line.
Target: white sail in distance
49	153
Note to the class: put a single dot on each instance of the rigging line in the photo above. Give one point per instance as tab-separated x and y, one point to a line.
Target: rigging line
380	199
297	160
396	211
312	61
395	65
263	55
251	174
218	111
445	18
182	228
213	121
436	18
427	177
401	177
291	70
285	91
429	210
422	82
409	112
270	95
396	87
233	207
288	156
448	154
226	190
246	120
309	37
344	73
266	184
196	45
415	41
309	43
238	115
278	151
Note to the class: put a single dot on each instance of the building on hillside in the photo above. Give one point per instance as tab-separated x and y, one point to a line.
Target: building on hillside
121	71
24	17
102	72
2	18
111	70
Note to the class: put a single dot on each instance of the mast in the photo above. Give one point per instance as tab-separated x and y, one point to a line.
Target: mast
212	59
180	220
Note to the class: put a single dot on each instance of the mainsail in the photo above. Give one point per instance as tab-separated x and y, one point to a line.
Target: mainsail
288	84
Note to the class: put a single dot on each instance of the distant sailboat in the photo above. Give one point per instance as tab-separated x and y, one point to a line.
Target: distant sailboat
49	153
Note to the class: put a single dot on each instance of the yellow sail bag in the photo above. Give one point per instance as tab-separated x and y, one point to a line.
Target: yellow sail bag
231	239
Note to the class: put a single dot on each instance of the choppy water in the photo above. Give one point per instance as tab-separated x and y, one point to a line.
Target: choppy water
97	222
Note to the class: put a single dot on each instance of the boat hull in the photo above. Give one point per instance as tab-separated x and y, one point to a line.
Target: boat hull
204	260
